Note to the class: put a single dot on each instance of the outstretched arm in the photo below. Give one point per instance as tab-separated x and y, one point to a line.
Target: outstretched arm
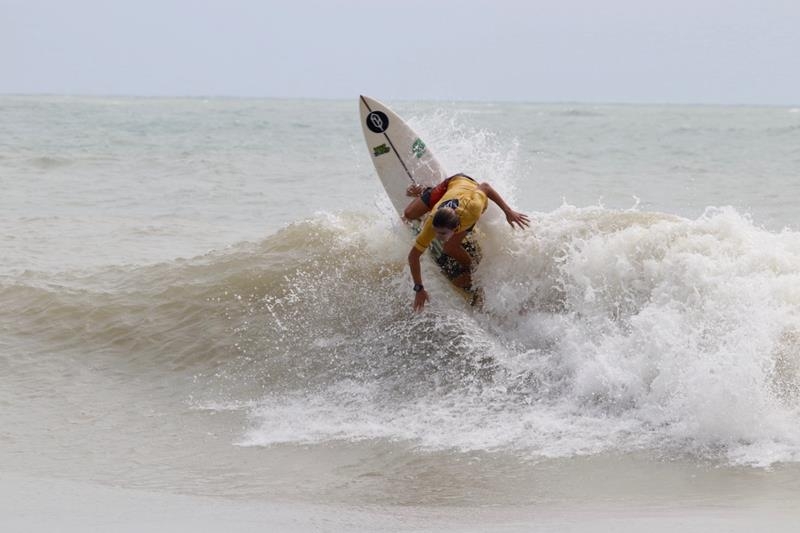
513	217
416	274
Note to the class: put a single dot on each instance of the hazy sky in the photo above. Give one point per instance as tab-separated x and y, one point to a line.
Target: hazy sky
698	51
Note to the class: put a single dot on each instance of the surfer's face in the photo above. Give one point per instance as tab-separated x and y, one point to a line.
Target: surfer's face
443	234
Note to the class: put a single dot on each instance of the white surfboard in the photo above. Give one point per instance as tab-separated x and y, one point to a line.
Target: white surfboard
402	158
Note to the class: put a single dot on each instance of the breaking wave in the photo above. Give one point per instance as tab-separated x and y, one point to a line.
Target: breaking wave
602	331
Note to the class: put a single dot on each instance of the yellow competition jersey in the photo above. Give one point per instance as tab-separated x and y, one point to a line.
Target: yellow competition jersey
469	203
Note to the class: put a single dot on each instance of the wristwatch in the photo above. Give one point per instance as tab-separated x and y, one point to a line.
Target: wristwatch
418	287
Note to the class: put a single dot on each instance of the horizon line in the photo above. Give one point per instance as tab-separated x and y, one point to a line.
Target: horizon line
155	96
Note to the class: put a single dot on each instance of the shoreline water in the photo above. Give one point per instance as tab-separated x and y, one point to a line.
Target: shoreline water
47	504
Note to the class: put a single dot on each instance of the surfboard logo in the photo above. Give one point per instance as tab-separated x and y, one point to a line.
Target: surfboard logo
377	122
418	148
380	150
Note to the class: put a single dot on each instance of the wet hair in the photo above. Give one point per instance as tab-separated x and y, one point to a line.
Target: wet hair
445	218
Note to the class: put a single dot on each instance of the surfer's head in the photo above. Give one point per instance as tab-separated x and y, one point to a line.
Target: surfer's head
445	222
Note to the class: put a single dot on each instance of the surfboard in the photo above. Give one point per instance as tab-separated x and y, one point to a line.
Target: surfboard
402	158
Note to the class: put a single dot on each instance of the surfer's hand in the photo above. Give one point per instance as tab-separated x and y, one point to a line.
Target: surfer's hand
414	190
419	300
517	218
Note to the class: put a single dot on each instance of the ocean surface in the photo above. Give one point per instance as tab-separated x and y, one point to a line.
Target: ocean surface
209	298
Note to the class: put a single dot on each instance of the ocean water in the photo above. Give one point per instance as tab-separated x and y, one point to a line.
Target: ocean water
209	297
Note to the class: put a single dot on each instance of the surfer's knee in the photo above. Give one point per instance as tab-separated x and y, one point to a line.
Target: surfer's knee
415	209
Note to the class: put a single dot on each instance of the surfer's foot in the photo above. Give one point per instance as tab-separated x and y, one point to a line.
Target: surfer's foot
477	298
414	190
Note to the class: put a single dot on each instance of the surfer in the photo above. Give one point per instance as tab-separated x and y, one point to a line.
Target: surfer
458	202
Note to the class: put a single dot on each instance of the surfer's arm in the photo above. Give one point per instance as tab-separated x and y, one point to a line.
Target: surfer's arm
511	216
421	296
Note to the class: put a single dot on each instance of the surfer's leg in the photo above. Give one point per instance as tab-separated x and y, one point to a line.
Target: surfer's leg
455	249
463	281
415	209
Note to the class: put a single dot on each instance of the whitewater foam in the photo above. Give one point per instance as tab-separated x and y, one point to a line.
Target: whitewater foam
603	330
